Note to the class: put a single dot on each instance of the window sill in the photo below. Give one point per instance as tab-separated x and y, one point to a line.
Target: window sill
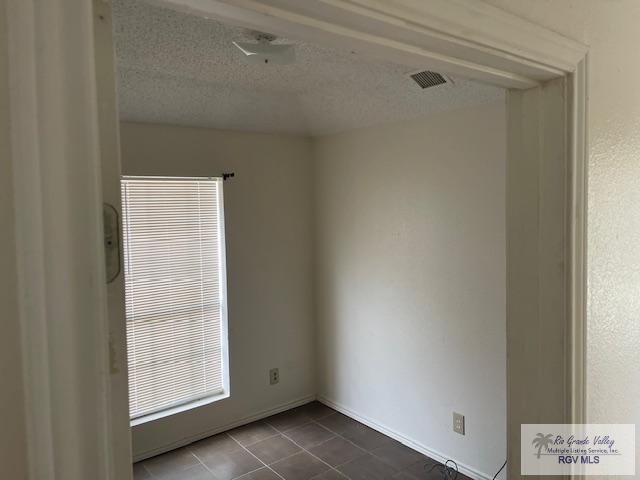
179	409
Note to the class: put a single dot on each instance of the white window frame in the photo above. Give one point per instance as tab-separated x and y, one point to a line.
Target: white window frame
224	327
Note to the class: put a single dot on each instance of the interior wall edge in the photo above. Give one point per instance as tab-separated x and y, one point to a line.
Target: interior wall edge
303	136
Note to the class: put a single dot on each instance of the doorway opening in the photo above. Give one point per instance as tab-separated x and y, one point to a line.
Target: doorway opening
365	243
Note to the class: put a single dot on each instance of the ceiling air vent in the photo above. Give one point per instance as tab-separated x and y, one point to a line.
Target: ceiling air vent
428	79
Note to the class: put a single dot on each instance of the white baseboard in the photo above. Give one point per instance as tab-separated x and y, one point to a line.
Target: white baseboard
222	428
430	452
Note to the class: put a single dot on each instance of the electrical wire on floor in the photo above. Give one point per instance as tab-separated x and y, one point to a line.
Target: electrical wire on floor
449	469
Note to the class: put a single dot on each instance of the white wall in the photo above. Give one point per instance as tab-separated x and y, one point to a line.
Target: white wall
613	262
410	243
269	256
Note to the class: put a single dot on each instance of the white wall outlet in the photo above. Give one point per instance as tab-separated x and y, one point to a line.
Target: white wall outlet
274	376
458	423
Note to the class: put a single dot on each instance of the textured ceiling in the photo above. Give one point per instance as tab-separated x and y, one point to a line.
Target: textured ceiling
175	68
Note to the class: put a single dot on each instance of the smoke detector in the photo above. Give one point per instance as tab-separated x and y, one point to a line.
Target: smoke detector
264	51
428	79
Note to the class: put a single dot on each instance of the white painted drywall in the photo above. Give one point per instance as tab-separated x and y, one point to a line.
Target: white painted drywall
410	243
269	260
613	262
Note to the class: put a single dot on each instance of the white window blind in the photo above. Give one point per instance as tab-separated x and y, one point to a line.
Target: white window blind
174	281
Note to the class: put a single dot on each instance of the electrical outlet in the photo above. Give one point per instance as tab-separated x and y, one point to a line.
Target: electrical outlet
274	376
458	423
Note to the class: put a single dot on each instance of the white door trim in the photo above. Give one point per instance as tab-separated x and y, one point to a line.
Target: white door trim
55	154
577	212
58	230
109	131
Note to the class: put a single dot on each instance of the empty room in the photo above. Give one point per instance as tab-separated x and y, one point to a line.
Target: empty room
313	245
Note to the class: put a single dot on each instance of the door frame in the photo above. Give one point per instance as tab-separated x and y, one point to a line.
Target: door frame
59	128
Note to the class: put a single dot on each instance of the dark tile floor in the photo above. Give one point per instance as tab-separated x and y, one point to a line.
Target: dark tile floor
312	442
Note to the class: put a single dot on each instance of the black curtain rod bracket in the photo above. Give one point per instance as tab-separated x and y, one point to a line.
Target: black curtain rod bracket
226	176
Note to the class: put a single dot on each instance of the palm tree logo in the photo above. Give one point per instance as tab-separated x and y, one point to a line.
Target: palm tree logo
542	441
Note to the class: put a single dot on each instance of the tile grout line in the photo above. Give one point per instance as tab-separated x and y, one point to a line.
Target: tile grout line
313	421
344	438
278	432
331	467
284	434
254	443
263	463
242	447
370	452
151	474
200	460
366	452
348	441
252	471
337	435
328	439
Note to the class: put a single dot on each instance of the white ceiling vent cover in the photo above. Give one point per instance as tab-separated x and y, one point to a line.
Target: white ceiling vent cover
428	79
264	51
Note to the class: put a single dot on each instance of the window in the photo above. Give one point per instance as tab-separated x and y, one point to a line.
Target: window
174	262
